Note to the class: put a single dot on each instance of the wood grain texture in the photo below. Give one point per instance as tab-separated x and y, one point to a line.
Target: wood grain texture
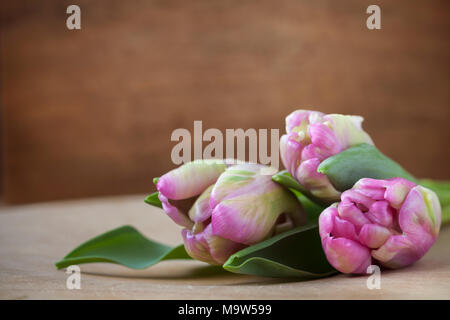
33	237
91	112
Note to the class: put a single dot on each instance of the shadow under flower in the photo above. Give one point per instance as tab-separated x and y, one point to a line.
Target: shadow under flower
185	271
163	271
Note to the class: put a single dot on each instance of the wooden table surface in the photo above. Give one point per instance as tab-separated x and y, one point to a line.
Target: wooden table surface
33	237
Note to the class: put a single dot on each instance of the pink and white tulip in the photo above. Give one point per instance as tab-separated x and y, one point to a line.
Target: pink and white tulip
310	138
390	222
224	210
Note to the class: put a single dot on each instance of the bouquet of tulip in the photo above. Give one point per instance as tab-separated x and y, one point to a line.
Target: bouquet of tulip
340	206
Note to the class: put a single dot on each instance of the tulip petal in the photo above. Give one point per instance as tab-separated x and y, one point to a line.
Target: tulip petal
190	179
382	213
373	236
360	200
324	139
316	182
299	119
331	225
350	212
348	130
246	204
420	217
221	249
398	251
205	246
290	151
197	246
346	255
397	191
176	214
326	220
236	180
201	210
434	209
371	188
310	152
344	229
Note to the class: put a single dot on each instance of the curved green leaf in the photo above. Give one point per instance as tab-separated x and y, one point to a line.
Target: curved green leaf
445	215
124	245
284	178
362	161
293	254
153	200
313	210
312	205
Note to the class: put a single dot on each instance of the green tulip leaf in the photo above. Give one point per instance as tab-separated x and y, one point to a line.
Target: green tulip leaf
153	200
312	205
362	161
296	254
313	210
125	246
445	215
285	179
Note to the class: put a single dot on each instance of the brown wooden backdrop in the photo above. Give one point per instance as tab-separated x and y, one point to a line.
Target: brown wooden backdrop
90	112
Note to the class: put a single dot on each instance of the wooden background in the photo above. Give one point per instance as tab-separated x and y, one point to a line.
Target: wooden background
90	112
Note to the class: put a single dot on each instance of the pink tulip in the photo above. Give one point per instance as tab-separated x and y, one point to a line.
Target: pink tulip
310	138
390	222
224	210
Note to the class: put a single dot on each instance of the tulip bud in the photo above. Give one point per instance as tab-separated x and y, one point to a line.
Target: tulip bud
390	222
310	138
224	210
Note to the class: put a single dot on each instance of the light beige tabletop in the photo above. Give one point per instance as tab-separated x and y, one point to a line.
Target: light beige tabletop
33	237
